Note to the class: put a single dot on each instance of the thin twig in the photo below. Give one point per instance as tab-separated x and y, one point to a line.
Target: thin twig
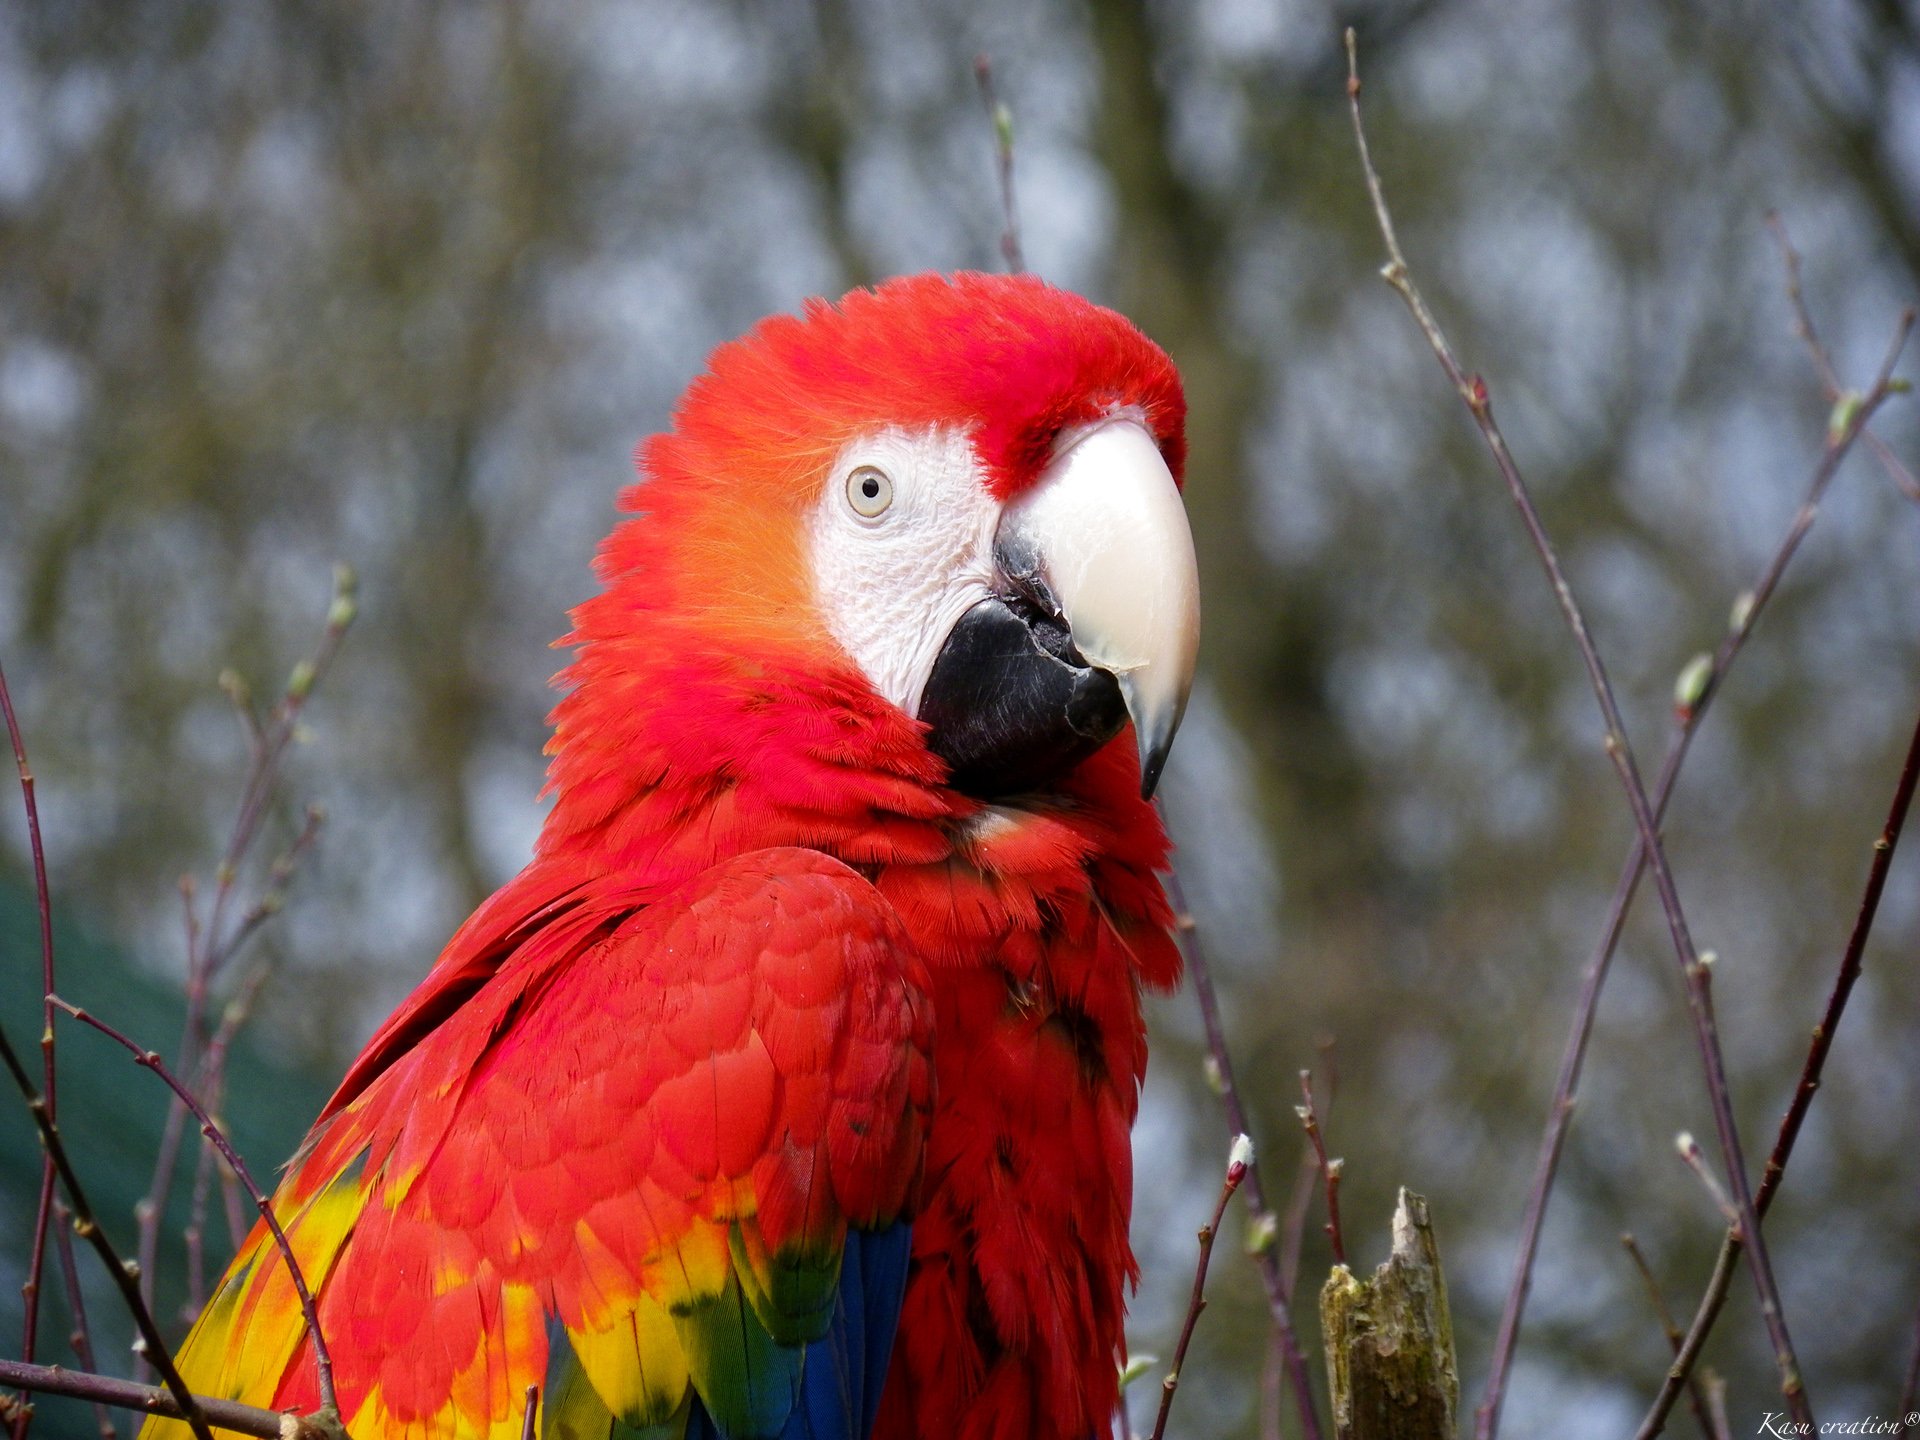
1001	118
1716	1389
1696	1161
1474	394
530	1419
82	1337
1293	1229
43	902
1804	329
1905	479
209	947
1696	1398
1699	685
1329	1169
274	896
234	685
150	1059
1803	326
30	1288
1262	1225
87	1227
210	1086
143	1399
1818	1048
1239	1160
1271	1384
196	1231
231	1202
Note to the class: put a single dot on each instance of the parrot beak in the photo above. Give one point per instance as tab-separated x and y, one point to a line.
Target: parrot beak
1098	621
1109	538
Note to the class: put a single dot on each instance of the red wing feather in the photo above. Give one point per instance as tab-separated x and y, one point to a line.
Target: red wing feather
634	1149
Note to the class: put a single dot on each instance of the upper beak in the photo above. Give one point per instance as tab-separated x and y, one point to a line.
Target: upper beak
1104	532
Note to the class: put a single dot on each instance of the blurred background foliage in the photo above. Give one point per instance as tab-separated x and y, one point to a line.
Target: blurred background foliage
402	285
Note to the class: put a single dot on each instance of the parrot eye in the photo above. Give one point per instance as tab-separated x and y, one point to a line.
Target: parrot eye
870	492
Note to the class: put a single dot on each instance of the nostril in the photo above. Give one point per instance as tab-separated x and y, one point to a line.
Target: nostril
1021	581
1029	590
1029	598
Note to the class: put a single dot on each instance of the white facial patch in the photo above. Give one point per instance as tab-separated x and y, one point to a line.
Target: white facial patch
891	585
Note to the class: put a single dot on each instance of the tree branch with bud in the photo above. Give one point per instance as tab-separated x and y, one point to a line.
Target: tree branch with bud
1239	1165
1263	1227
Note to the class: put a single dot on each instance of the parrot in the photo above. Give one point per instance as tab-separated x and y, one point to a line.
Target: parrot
788	1090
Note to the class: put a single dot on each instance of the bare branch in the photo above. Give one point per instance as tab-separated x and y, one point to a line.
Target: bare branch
1001	118
125	1276
1803	327
235	687
1689	1149
210	947
280	728
150	1059
30	1291
210	1086
1716	1389
144	1399
82	1337
1329	1169
1293	1229
1270	1388
22	1420
1262	1226
1700	682
196	1231
1474	394
1804	331
1239	1160
1818	1048
1696	1397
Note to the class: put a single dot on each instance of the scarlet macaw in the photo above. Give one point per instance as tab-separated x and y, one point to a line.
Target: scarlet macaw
815	1021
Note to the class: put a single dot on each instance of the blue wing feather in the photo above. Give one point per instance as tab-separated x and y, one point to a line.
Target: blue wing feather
843	1371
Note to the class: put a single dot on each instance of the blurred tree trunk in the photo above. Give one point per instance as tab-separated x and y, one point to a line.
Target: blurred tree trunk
1172	266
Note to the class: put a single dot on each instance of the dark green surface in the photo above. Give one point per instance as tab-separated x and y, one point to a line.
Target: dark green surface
111	1113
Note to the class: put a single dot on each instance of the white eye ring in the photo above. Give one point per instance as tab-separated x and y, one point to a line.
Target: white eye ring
869	492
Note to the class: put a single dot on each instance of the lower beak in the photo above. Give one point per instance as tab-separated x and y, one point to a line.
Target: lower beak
1098	621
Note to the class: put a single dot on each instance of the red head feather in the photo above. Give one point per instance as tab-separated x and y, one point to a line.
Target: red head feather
1008	358
710	579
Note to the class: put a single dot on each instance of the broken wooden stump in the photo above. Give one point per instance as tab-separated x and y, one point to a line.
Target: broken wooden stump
1389	1339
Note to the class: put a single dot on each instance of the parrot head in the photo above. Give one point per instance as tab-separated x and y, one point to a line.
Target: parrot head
965	488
